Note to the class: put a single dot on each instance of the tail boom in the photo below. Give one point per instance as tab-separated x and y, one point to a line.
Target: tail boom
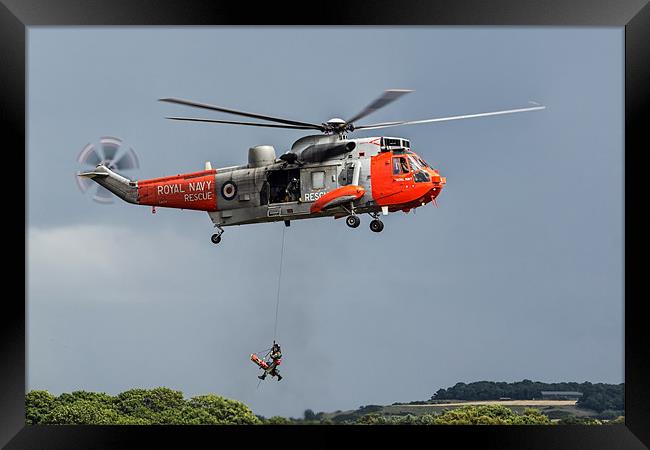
195	190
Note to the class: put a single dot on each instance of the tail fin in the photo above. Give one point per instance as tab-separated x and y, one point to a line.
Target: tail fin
124	188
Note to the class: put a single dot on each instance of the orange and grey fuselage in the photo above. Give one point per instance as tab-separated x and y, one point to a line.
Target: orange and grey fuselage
332	176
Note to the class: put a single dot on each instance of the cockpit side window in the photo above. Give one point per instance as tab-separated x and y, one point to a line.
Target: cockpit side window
400	166
396	166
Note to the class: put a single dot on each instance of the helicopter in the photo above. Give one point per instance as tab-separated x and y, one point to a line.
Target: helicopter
322	175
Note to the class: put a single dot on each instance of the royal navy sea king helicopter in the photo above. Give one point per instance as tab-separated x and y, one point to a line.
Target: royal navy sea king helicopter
326	174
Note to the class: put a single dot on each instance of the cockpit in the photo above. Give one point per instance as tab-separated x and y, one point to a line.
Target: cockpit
405	161
409	162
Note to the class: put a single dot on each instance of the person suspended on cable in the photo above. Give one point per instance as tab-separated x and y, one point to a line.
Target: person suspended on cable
275	358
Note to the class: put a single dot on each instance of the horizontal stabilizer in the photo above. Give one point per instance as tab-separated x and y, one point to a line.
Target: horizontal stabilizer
113	182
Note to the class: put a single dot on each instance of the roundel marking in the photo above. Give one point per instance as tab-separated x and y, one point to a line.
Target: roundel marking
229	190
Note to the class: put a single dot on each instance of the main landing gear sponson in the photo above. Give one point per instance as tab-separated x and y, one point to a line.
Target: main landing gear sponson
352	221
376	225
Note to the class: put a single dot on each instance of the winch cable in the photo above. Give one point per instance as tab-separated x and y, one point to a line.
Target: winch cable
277	302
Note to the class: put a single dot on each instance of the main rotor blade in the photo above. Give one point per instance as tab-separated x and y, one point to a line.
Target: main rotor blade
254	124
242	113
444	119
387	97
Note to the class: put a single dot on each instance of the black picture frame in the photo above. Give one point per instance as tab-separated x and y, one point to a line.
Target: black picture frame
17	15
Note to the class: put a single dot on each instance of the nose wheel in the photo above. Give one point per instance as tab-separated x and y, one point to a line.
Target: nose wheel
353	221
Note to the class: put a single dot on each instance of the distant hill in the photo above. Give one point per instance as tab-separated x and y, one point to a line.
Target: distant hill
553	410
599	401
598	397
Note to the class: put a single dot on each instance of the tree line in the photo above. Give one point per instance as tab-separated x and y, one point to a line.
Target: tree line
164	406
159	406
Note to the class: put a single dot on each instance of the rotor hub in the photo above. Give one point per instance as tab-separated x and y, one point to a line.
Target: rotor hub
337	125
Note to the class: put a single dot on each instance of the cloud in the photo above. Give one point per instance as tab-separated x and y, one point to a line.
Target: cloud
101	262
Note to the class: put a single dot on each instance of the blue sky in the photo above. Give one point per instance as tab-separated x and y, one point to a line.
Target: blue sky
518	274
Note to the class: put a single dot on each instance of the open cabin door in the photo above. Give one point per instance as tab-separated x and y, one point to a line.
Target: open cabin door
281	186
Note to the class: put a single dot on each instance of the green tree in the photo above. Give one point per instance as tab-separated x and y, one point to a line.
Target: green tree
37	405
81	412
149	404
532	416
225	411
371	419
99	398
489	415
277	420
427	419
573	420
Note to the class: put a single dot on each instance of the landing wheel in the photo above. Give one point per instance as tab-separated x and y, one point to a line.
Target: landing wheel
376	225
353	221
216	238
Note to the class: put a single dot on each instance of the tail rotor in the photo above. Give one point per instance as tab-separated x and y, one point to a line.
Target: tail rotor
111	153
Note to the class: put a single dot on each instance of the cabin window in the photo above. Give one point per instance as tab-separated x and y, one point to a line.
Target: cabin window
318	180
396	167
400	166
